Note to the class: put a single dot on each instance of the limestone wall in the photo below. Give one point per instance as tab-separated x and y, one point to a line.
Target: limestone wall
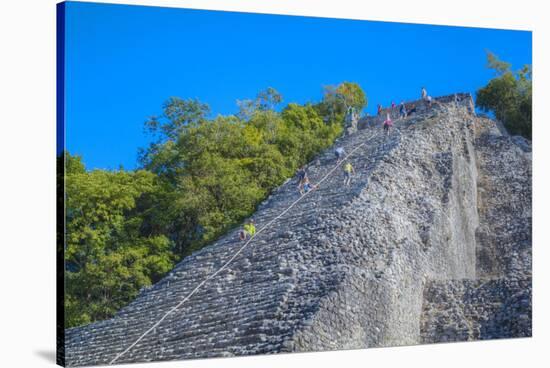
498	303
415	221
350	267
465	310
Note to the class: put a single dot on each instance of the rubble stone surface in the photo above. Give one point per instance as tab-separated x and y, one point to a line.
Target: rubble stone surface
431	242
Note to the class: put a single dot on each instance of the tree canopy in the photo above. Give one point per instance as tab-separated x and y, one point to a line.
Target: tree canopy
108	257
198	178
337	99
509	96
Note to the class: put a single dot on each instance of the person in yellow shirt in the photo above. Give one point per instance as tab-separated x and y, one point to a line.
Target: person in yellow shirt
249	229
348	170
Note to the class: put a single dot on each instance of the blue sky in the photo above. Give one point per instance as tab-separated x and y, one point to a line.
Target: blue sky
123	62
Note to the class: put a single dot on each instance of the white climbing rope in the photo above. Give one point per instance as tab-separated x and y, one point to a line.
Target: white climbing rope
235	255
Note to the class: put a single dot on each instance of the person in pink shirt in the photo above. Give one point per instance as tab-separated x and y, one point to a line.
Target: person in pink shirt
388	123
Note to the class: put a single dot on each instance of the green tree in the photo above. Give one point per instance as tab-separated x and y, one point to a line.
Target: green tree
199	178
352	95
73	164
337	100
508	96
108	257
178	114
215	172
265	100
306	134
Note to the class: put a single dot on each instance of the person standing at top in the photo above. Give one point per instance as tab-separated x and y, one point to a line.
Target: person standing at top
412	110
379	109
429	100
424	93
402	111
387	124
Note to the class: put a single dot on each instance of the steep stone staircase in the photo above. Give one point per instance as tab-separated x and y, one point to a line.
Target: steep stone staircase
240	311
345	267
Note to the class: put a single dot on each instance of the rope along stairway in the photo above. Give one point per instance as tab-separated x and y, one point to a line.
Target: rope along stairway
258	265
343	267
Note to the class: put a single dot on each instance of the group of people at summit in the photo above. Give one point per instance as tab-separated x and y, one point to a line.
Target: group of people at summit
304	184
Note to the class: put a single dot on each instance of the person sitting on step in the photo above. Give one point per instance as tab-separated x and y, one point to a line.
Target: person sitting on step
306	186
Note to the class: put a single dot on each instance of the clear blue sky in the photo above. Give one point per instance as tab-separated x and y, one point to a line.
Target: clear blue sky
123	62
